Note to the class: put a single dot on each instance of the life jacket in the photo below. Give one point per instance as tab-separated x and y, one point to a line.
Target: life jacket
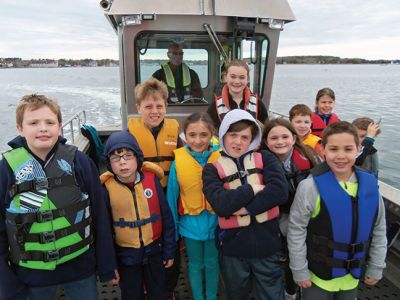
136	215
161	150
48	221
222	103
192	200
300	169
318	125
338	237
253	172
311	140
171	84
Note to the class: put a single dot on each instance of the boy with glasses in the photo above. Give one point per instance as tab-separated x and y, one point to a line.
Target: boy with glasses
142	221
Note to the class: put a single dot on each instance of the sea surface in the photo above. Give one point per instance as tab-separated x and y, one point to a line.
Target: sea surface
361	90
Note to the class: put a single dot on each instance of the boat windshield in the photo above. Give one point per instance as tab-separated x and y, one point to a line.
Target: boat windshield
200	54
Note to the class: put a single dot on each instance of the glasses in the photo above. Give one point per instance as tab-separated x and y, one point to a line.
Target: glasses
177	53
116	158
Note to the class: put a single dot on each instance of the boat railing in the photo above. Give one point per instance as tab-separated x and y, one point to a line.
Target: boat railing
71	130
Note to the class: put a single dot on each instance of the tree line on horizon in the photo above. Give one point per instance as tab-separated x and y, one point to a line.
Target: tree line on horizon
301	59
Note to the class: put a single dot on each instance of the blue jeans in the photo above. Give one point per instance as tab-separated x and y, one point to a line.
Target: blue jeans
240	274
84	289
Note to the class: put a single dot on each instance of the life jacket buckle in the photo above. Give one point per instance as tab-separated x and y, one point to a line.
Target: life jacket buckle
52	255
352	263
44	216
41	184
47	237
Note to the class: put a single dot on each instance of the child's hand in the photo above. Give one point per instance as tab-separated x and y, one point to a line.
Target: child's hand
241	212
257	187
168	263
304	283
115	281
372	130
370	281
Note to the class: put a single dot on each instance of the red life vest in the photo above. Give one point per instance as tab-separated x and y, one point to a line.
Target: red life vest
222	103
230	175
318	125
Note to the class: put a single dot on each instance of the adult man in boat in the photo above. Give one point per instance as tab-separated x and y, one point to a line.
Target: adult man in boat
183	83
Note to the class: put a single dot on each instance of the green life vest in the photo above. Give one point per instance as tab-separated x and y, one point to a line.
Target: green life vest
170	80
48	221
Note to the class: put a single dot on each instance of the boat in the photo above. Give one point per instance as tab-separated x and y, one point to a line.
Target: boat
212	32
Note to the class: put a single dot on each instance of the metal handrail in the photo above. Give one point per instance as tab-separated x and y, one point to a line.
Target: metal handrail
79	119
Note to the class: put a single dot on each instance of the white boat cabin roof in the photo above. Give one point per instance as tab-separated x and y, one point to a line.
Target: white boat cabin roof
276	9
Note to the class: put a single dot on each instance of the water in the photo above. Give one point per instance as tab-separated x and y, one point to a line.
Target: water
370	90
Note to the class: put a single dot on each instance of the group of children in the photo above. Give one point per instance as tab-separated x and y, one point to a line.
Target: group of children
256	200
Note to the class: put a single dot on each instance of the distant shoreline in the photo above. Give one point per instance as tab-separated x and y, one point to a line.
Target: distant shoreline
16	62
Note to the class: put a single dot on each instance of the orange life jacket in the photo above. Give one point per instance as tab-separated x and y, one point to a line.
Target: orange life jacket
318	125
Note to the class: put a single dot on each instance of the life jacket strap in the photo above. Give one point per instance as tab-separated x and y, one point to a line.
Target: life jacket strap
349	248
241	174
51	236
52	255
46	215
338	263
138	223
41	184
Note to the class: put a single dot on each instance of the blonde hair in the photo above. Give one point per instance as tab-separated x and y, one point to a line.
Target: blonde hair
34	102
150	87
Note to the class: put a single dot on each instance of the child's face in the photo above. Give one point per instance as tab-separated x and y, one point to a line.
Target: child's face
361	134
236	80
124	165
41	129
325	104
302	125
280	141
198	136
340	154
152	109
237	143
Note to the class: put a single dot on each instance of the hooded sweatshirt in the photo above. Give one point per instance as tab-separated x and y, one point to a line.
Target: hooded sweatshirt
257	240
14	279
166	244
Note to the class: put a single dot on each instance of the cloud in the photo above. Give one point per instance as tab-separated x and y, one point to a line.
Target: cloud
365	29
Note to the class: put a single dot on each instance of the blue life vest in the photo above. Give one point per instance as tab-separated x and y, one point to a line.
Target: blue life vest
338	238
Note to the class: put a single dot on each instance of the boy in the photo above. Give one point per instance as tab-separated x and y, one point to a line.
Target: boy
52	212
158	138
143	224
300	117
336	231
323	115
367	130
244	188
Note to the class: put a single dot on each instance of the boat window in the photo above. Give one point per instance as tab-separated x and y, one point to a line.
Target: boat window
196	59
201	54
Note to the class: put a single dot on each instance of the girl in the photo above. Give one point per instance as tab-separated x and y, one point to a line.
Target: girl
193	216
236	94
323	116
297	160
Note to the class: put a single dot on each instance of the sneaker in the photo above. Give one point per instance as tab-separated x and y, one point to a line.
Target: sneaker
290	297
392	233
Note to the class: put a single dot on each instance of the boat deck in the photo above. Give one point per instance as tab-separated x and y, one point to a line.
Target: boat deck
388	288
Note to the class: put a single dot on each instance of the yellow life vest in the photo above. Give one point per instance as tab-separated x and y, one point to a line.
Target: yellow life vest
311	140
158	151
231	176
188	171
135	219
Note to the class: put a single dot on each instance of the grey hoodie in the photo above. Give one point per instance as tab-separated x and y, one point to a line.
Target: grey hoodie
234	116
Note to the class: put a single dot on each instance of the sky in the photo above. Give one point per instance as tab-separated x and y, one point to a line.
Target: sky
77	29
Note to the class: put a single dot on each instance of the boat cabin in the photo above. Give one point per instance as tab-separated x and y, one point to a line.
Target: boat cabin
210	32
